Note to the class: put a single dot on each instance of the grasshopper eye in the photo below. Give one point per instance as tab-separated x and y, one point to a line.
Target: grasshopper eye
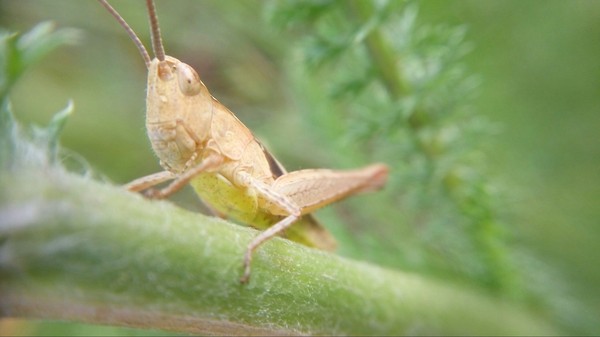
189	81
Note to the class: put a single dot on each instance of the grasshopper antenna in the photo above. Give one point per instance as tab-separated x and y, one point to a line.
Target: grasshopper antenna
136	40
157	45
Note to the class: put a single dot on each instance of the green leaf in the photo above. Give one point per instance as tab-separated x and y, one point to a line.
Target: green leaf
17	53
48	136
8	134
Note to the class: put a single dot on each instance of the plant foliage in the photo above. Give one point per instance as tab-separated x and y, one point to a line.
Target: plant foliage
398	91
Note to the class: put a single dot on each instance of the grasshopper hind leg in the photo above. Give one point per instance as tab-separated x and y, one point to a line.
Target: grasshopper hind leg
260	239
279	204
296	193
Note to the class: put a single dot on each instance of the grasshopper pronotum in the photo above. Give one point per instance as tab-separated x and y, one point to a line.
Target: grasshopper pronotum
199	141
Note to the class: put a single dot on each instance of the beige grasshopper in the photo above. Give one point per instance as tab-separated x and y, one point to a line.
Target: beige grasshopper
199	141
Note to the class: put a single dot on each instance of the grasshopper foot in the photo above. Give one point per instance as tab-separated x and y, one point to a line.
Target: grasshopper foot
247	260
153	193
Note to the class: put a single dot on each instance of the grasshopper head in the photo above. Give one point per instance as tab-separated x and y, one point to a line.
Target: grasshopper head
173	78
175	92
178	112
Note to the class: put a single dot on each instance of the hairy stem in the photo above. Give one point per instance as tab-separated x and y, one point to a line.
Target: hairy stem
78	250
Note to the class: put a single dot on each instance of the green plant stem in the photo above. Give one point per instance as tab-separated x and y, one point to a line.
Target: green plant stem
384	58
74	249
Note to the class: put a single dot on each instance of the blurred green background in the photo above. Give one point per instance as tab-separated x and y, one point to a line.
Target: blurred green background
539	66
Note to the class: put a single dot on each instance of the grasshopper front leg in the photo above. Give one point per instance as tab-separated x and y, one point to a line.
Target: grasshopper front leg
301	192
207	164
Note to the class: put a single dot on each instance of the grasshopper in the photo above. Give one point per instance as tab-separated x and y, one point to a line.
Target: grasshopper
201	142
